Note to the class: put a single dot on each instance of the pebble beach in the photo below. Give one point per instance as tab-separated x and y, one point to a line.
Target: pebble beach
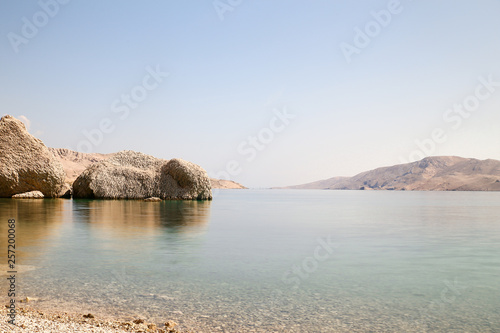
32	320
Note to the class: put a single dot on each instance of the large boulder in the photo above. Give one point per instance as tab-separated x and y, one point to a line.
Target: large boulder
133	175
26	164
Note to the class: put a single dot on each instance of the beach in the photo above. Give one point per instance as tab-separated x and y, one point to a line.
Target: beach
30	319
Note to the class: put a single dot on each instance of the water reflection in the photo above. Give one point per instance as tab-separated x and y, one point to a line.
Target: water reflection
37	221
41	222
46	227
171	216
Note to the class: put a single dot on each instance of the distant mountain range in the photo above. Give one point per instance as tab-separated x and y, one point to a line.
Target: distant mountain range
74	163
440	173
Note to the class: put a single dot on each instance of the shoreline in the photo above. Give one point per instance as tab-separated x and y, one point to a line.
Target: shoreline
30	319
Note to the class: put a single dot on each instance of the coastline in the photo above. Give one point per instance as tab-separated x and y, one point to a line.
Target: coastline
30	319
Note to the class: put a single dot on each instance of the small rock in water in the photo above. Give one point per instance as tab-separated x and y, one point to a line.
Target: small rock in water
152	199
139	321
170	324
90	316
29	195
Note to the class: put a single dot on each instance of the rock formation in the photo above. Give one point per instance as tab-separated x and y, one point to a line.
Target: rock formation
26	164
74	163
133	175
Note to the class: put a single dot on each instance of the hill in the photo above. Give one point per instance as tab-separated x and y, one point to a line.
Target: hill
437	173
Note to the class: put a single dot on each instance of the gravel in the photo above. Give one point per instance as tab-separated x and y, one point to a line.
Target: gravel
31	320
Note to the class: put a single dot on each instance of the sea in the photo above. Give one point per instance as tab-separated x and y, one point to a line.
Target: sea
265	260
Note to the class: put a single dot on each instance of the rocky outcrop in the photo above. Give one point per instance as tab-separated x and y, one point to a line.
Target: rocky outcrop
66	191
29	195
74	163
26	164
133	175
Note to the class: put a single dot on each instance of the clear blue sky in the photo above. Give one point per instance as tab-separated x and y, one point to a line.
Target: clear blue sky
232	68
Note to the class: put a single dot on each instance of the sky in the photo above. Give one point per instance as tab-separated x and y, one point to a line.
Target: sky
266	93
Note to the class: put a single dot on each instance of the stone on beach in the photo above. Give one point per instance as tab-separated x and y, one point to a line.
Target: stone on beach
170	324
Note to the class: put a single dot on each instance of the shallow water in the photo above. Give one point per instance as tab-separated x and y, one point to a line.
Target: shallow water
269	260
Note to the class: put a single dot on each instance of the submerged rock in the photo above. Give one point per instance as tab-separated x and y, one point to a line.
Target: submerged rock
26	164
29	195
134	175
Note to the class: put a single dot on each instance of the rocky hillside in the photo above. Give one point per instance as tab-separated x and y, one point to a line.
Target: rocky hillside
441	173
226	184
74	163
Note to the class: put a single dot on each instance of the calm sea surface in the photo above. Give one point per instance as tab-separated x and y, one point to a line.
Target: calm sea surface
268	260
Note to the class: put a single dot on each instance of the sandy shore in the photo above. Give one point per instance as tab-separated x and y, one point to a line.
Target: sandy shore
31	320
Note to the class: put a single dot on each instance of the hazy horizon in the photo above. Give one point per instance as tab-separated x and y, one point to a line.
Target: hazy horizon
271	94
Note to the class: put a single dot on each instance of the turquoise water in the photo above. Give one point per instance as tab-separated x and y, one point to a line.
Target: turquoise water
269	260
